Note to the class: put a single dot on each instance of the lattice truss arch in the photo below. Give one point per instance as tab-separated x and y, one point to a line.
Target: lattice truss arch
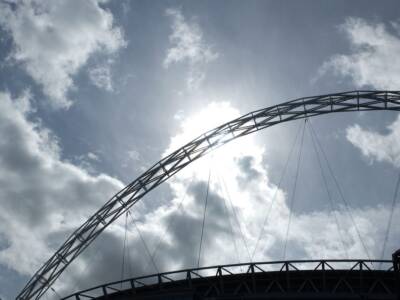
168	166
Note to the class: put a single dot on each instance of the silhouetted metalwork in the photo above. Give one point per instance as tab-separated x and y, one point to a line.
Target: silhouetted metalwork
306	279
396	260
396	268
176	161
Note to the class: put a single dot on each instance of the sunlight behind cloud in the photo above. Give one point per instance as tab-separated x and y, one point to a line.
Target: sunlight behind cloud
211	116
237	176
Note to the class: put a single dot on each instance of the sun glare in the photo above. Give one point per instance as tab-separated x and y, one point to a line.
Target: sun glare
211	116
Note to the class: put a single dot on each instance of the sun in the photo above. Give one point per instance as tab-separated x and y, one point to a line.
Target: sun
209	117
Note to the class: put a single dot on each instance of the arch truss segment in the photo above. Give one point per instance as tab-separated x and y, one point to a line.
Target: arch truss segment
168	166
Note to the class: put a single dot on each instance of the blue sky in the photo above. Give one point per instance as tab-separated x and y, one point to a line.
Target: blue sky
93	93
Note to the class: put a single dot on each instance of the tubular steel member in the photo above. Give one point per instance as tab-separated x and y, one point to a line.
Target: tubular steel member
396	268
161	171
396	261
295	279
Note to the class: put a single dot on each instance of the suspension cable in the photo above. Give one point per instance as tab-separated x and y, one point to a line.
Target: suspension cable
55	292
170	223
236	218
123	248
276	191
226	211
77	282
347	206
294	189
204	218
129	257
330	200
144	243
387	232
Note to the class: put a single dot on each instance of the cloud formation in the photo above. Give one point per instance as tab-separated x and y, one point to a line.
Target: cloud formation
373	61
54	39
188	45
40	193
377	146
101	77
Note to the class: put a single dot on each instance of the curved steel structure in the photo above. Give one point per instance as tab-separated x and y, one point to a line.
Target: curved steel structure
176	161
307	279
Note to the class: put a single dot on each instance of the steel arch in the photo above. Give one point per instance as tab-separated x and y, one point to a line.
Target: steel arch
177	160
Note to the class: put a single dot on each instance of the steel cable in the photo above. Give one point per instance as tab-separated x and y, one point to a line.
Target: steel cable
170	223
129	257
236	218
348	209
204	218
144	243
387	232
317	154
229	221
294	189
123	248
276	191
55	292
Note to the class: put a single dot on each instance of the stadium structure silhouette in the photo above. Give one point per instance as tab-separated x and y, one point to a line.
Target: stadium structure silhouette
298	279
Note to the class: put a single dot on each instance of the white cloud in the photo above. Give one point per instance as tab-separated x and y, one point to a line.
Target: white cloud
40	193
132	158
377	146
93	156
373	60
54	39
101	77
373	63
178	116
188	45
133	155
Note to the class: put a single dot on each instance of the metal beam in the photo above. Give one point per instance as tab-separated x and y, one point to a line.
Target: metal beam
325	277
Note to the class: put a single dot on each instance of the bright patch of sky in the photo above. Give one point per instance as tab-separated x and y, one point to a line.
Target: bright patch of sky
92	93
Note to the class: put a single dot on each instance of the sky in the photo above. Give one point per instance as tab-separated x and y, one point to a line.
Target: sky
92	93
